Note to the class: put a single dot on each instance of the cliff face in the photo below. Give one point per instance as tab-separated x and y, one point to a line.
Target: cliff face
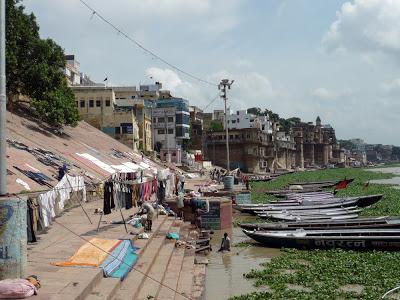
37	148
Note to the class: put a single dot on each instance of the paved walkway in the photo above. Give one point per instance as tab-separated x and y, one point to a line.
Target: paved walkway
162	270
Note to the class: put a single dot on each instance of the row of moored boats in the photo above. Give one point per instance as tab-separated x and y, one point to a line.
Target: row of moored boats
319	219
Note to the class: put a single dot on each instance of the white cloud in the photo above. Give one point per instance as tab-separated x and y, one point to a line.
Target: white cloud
323	93
196	94
201	16
391	86
365	26
243	63
249	89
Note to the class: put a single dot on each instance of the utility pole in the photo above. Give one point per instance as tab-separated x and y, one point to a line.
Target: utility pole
225	83
3	99
13	238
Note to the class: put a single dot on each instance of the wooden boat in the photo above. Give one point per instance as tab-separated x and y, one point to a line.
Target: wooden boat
379	222
310	212
324	184
283	193
303	218
260	178
356	239
361	201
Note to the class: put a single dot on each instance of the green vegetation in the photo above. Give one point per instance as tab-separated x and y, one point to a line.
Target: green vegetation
34	69
332	274
327	275
286	124
216	125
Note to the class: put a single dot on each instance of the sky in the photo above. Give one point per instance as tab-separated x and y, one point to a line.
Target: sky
335	59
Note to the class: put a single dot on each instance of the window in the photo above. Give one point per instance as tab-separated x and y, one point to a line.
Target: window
170	131
160	131
263	127
228	121
154	120
91	103
233	121
98	103
182	119
77	103
117	130
237	112
108	102
82	103
238	120
127	128
170	119
161	120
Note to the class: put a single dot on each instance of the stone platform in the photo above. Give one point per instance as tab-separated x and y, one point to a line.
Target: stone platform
162	271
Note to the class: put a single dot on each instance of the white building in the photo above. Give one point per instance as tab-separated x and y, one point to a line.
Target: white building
72	70
242	120
164	127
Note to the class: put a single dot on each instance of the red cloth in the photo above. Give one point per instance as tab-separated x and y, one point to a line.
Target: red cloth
342	184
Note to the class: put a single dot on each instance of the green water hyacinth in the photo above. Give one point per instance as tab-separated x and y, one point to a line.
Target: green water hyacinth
330	274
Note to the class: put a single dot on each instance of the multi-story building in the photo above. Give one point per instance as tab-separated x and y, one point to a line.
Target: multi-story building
241	119
72	70
250	149
97	105
196	124
171	126
315	144
131	99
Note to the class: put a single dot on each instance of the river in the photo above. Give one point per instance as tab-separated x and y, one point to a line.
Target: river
225	270
392	170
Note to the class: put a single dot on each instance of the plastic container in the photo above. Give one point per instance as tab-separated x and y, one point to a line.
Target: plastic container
228	182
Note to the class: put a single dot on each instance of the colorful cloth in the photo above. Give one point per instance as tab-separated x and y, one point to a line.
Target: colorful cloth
91	254
121	260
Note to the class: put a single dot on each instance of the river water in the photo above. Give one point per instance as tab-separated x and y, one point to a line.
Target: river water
392	170
225	270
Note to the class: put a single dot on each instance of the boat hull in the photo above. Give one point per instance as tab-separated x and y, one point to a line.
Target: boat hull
358	223
387	243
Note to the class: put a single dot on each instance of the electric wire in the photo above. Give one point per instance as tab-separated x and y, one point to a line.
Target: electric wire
135	42
211	102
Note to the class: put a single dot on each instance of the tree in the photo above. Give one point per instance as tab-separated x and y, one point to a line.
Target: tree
216	125
34	69
254	110
346	144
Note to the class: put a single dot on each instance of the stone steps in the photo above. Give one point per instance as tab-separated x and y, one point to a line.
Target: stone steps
170	280
151	284
186	276
74	283
132	284
106	288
